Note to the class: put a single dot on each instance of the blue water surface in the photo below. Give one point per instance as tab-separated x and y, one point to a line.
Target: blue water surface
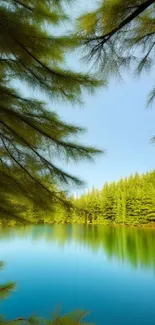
105	270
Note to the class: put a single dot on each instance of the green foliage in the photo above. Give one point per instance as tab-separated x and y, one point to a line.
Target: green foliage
6	288
119	34
32	136
1	265
130	201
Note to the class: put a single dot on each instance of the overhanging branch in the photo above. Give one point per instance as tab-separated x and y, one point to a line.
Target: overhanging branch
101	40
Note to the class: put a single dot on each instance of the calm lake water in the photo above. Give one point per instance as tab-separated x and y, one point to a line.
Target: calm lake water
107	271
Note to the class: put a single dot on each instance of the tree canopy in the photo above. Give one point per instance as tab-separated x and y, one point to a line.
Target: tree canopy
120	34
33	138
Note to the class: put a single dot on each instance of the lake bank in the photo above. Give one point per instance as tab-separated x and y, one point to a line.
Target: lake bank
14	223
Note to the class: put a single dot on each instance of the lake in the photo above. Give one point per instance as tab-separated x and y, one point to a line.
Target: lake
105	270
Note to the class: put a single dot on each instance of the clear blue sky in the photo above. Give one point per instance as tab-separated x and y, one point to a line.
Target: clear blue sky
119	122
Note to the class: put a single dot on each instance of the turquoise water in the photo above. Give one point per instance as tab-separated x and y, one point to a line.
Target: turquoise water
107	271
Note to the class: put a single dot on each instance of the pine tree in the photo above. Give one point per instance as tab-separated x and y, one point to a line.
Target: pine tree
32	136
120	34
93	205
109	208
117	205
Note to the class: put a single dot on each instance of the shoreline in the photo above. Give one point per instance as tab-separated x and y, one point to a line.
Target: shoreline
110	224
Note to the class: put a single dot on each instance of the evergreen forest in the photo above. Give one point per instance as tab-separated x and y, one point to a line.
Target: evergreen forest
130	201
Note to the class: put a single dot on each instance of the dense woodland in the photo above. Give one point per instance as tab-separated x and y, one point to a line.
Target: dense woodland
131	201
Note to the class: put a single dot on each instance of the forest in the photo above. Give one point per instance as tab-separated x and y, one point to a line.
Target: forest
130	201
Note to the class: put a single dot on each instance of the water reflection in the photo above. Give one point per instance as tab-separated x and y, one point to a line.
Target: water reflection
136	246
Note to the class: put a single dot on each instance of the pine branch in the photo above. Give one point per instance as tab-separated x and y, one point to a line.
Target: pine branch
143	61
22	167
23	5
50	192
61	143
31	135
104	38
19	319
6	288
48	164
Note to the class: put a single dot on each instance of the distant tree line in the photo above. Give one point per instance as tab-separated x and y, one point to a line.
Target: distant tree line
128	201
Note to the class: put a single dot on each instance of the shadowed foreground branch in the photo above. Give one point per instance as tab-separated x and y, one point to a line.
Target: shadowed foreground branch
33	138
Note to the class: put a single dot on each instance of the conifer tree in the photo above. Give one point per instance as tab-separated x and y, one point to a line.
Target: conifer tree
120	34
32	136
